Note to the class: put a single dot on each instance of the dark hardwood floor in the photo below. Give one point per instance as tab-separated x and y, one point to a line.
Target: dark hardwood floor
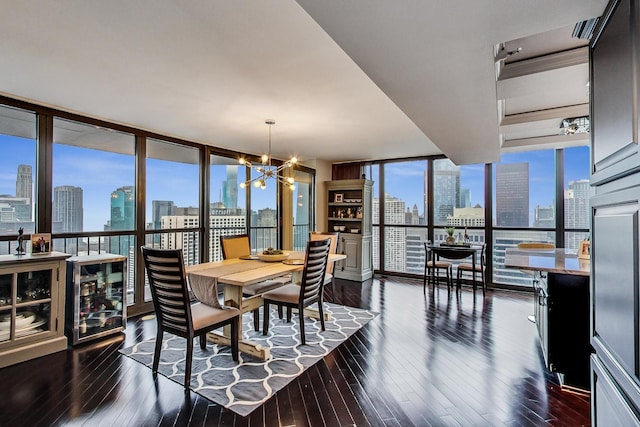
426	360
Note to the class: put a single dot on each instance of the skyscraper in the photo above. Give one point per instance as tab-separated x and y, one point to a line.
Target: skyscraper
230	188
160	208
512	194
123	203
68	209
24	183
122	209
446	189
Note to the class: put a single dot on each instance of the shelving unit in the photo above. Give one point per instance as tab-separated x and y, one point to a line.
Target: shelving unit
32	306
95	296
349	211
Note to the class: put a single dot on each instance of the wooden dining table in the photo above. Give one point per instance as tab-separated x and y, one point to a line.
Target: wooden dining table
235	273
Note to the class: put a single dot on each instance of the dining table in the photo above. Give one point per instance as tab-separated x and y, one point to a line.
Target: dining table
235	273
457	252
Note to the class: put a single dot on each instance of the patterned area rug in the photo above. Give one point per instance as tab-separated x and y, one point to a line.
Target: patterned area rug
244	386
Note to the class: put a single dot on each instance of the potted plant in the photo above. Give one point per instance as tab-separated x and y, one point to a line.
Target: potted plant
450	239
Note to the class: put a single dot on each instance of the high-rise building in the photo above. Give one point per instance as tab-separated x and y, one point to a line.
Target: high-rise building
24	183
160	208
576	210
67	209
512	194
223	222
544	216
187	241
123	201
465	198
230	188
446	189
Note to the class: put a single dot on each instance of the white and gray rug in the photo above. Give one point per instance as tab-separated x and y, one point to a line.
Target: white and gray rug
244	386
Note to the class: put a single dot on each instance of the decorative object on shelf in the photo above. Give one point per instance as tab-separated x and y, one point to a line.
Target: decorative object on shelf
584	249
40	243
338	198
20	249
450	238
267	171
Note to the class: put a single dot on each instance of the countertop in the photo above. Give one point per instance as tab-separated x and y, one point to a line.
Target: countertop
559	260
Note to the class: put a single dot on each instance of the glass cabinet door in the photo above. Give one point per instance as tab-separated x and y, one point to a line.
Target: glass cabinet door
6	299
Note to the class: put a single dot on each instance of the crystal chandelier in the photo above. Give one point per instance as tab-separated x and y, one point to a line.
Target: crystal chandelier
267	171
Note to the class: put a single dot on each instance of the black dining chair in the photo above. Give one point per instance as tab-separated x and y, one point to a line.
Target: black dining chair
329	279
307	293
175	313
480	268
433	267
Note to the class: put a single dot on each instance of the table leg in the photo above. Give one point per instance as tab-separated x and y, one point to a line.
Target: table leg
233	297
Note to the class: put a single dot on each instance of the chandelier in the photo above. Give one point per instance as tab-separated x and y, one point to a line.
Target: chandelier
266	170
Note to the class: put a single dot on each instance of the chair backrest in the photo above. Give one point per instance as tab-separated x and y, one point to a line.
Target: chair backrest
315	266
333	247
235	246
536	245
168	283
483	255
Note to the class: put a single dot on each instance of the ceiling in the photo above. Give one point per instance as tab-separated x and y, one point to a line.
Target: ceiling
344	80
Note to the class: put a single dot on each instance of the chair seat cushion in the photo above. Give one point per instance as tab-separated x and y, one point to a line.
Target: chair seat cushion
469	267
287	294
203	315
438	264
262	287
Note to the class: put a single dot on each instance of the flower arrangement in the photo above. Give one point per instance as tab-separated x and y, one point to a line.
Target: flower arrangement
450	231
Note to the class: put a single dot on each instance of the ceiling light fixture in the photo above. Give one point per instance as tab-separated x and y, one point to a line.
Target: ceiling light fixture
267	171
575	125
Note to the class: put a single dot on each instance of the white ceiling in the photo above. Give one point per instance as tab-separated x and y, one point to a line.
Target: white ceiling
344	80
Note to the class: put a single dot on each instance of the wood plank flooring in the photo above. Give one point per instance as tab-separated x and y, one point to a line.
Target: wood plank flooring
426	360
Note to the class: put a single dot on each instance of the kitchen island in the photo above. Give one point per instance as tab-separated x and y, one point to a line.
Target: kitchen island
561	310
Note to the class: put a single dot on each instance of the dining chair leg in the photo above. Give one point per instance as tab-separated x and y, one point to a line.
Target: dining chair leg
265	321
156	353
256	319
301	314
203	340
321	313
234	340
279	311
188	361
289	310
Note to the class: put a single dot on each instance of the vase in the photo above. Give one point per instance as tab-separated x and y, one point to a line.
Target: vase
450	240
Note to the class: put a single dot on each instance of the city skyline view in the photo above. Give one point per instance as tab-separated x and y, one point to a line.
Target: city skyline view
99	173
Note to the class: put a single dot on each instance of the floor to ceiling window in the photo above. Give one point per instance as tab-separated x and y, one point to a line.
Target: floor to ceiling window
228	202
172	205
524	200
302	208
18	165
264	214
577	193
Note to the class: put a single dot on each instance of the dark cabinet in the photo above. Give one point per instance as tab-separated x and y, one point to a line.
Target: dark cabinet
96	303
615	222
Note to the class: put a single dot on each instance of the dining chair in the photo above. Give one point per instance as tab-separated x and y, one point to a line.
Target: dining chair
307	293
468	268
237	246
329	279
175	313
433	267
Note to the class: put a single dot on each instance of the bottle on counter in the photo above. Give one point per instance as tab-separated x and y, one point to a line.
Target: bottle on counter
83	324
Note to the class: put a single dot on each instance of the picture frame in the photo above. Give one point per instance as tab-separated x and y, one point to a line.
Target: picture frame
584	249
338	198
41	243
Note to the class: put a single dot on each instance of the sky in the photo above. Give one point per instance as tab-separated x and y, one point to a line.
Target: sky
100	172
